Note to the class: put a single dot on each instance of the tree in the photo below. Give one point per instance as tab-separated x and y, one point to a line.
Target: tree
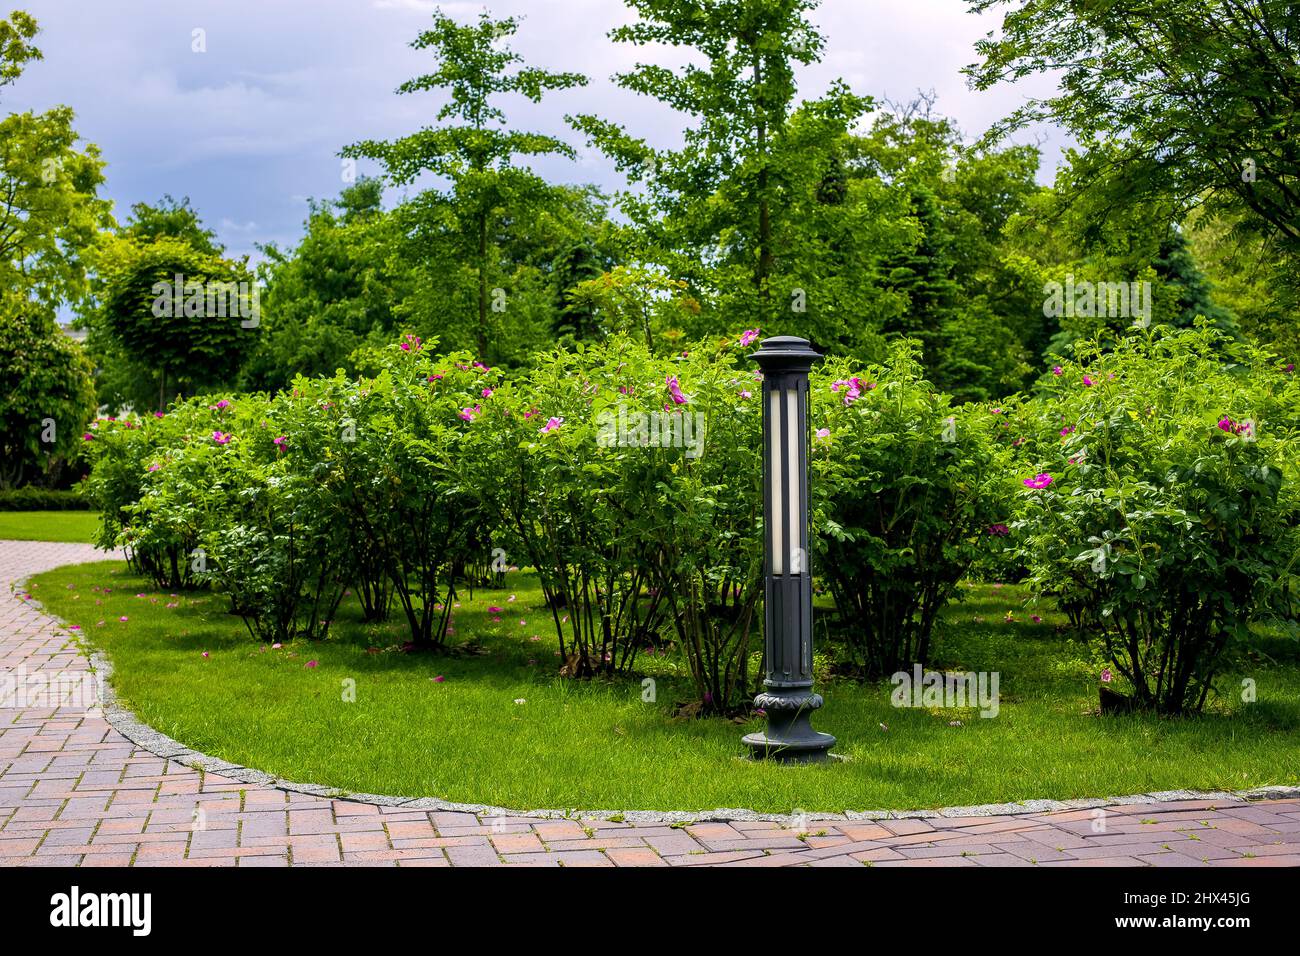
1251	280
642	303
1194	101
1175	265
576	320
925	273
718	197
837	227
16	50
172	308
967	300
362	200
177	220
50	211
50	214
334	293
46	394
162	240
1127	265
487	192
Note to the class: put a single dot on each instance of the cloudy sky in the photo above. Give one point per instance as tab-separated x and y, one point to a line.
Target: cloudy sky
251	128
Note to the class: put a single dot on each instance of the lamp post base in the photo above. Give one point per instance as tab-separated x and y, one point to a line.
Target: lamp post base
789	737
814	750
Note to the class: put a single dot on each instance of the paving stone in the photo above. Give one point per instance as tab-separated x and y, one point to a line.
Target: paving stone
677	843
711	859
930	862
472	856
836	861
999	860
1100	861
527	843
635	856
877	855
1033	852
1170	858
906	827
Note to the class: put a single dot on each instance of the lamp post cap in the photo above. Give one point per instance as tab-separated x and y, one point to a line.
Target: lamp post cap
786	350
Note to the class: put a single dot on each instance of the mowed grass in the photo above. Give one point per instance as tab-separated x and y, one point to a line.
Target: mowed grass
48	525
501	728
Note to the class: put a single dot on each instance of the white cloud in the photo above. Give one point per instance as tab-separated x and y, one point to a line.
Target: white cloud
427	6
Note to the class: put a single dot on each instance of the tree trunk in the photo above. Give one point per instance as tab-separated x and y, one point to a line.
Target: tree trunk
482	288
763	269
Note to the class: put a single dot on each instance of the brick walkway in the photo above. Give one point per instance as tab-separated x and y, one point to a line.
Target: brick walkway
73	791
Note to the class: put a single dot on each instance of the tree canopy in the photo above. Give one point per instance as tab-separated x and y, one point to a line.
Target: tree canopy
1194	101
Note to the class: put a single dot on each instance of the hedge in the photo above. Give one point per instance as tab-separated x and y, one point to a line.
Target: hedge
43	499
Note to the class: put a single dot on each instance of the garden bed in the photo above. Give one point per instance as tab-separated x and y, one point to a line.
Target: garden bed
597	744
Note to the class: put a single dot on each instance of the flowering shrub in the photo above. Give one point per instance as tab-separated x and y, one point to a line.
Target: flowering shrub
319	428
908	492
706	522
632	484
394	443
274	544
282	503
1162	509
44	378
221	505
118	450
152	510
574	504
200	495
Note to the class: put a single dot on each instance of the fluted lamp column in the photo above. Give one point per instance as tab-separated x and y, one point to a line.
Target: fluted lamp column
787	698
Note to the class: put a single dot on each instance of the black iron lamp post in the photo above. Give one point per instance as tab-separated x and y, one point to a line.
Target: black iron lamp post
787	696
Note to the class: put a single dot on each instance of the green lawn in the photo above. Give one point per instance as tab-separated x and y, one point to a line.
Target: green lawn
597	746
48	525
